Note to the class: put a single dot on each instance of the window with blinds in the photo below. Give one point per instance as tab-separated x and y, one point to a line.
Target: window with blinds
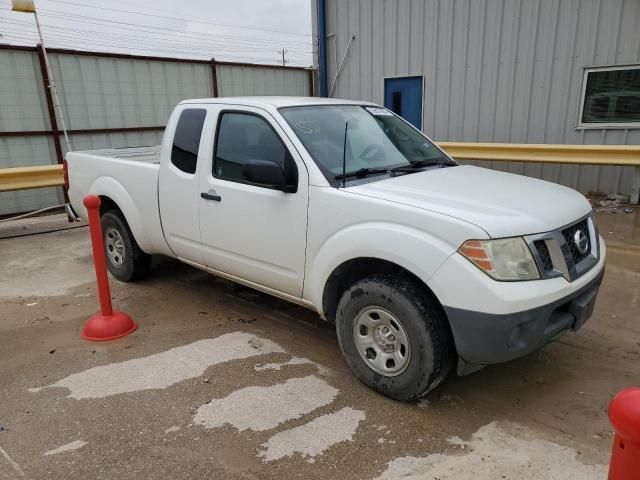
611	97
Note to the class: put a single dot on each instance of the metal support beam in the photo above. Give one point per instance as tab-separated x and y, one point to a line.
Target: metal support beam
52	113
635	187
322	48
344	57
214	77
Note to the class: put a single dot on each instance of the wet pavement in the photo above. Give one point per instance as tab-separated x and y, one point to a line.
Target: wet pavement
220	381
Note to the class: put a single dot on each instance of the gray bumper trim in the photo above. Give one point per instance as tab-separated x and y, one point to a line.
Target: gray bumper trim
485	338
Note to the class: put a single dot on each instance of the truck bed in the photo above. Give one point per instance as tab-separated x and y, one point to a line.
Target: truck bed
129	178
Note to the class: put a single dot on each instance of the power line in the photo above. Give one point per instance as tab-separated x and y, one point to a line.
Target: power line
92	45
158	41
84	19
233	45
183	18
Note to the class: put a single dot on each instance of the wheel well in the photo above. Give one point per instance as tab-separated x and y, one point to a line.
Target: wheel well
352	271
106	205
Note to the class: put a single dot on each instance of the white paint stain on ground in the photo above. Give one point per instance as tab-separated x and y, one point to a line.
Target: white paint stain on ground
323	371
278	366
75	445
314	437
175	428
164	369
262	408
498	452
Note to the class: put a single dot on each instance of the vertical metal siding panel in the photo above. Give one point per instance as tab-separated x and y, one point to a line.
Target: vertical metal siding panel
458	60
443	70
352	63
548	90
506	70
402	26
364	41
377	36
240	80
490	69
388	50
98	92
474	71
416	38
21	93
340	42
430	42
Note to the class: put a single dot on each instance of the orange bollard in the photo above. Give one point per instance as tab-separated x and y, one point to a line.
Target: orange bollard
624	414
106	324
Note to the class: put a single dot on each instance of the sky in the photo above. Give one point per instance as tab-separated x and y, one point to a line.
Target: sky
252	31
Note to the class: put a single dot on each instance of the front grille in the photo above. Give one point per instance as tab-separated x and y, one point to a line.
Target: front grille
569	234
545	257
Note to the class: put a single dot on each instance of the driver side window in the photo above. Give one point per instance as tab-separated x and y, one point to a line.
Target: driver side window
243	137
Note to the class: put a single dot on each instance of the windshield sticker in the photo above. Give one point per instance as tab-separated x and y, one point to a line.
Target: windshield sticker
307	127
379	111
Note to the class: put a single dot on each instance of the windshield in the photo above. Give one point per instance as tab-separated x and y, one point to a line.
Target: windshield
376	139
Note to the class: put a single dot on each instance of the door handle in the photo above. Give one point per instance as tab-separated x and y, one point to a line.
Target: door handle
210	196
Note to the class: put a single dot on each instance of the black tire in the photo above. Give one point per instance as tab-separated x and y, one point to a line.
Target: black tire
133	264
432	353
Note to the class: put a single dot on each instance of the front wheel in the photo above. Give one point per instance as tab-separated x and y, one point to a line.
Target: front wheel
125	259
394	337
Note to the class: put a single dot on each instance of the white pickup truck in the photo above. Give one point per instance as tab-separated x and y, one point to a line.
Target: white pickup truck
345	208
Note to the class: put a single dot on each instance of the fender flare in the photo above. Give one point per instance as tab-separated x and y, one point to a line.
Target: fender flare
372	240
111	188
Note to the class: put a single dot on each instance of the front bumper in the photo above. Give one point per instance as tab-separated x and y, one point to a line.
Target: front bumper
487	338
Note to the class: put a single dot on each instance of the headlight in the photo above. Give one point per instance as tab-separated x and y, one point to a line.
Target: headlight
502	259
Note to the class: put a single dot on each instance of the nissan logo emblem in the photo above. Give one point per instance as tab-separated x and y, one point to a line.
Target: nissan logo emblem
581	241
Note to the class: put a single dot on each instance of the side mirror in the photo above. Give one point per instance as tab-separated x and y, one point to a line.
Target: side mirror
266	174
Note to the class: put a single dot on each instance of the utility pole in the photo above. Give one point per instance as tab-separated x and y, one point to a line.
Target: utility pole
284	60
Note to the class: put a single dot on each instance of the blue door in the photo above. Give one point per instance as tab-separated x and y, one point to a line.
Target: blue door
404	97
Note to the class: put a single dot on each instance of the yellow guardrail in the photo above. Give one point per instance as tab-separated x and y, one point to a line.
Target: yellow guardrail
23	178
611	155
607	155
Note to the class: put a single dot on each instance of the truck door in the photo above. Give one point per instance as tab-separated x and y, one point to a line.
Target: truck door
251	231
178	184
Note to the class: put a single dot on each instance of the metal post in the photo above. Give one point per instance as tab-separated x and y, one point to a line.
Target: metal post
214	77
52	84
635	187
322	48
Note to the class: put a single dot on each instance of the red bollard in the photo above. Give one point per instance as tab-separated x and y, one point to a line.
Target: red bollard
624	414
107	324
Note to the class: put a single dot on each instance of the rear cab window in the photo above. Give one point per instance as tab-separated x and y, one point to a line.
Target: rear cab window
186	140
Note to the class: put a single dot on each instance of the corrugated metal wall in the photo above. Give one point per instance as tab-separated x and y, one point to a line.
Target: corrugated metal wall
494	70
109	92
244	80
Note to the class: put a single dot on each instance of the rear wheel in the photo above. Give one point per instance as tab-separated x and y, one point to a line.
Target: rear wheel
394	336
125	259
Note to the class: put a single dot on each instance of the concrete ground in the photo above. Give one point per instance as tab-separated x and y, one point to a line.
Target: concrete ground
222	382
